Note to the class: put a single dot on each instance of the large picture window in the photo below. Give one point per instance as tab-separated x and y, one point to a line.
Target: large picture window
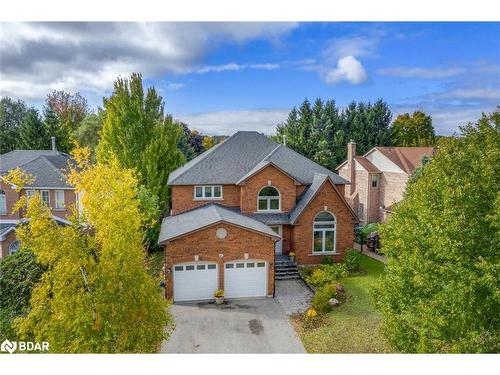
324	230
269	199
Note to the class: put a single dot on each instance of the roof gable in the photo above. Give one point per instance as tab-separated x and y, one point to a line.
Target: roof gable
176	226
242	153
261	167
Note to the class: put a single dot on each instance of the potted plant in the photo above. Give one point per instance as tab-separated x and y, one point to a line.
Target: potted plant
291	254
219	296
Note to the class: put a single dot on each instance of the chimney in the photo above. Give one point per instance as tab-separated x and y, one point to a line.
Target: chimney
284	140
351	153
53	140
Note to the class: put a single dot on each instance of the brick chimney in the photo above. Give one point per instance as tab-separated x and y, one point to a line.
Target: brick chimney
351	153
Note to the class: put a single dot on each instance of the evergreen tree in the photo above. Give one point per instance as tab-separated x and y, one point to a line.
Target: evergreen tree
11	116
87	133
32	134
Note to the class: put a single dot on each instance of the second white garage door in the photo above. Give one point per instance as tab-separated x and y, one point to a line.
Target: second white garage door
196	281
245	278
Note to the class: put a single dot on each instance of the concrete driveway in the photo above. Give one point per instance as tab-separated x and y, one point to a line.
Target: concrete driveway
239	326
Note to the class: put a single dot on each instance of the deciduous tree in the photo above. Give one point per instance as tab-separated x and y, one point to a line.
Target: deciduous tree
413	130
12	113
441	290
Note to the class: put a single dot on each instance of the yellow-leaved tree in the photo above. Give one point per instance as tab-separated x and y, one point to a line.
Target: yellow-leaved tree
96	295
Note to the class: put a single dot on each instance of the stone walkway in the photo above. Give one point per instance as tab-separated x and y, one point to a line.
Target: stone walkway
293	295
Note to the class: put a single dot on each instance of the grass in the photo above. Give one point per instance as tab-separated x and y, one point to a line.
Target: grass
353	327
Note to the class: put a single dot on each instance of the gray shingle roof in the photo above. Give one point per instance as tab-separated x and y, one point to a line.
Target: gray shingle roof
204	216
242	153
6	228
46	166
307	196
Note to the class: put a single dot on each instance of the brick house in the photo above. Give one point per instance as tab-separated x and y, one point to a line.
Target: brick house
378	178
242	205
47	167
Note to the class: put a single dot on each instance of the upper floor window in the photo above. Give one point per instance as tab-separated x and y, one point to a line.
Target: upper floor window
3	203
45	197
375	178
208	192
59	199
269	199
324	228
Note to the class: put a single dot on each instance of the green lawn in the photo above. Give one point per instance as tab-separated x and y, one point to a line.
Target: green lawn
352	327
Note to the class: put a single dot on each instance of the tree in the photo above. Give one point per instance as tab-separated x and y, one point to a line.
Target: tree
208	142
440	292
186	143
321	131
19	273
11	116
413	131
32	133
139	136
96	295
87	134
70	110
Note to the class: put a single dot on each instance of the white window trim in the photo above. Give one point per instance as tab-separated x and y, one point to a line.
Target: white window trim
268	198
4	195
41	195
56	207
12	243
323	236
203	189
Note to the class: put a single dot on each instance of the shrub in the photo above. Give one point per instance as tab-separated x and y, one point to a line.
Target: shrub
321	300
327	261
351	260
326	274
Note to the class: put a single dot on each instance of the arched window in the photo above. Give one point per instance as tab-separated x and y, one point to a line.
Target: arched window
3	203
269	199
324	228
14	247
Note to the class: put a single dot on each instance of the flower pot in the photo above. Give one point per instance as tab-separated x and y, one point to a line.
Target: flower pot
219	300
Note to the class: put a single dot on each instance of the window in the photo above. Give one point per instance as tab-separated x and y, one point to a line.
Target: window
269	199
189	268
229	265
45	197
324	233
250	265
3	203
14	247
59	199
375	180
240	265
178	268
208	192
211	266
261	264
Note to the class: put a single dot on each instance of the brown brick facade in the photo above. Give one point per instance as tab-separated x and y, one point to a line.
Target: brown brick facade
183	198
207	247
285	185
302	232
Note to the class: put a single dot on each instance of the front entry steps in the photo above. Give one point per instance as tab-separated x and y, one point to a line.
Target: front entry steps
285	269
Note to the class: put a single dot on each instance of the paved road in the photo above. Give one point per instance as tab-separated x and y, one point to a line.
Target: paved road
239	326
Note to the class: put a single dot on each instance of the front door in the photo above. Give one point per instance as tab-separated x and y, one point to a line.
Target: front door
278	246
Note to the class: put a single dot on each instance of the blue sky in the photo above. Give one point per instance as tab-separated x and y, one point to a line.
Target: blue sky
223	77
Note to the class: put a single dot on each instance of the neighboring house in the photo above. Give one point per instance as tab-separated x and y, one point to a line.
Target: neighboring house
238	206
47	167
378	178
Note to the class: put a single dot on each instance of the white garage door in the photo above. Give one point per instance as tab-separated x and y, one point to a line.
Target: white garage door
196	281
245	278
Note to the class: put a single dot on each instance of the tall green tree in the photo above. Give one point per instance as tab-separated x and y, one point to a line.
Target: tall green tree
321	131
12	113
441	290
87	133
32	133
138	134
413	130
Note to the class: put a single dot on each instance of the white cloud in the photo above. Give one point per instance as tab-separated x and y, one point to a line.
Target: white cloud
175	86
87	57
229	122
348	69
234	66
473	93
357	46
415	72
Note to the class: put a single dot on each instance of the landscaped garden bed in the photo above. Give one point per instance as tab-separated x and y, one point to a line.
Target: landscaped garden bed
352	324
